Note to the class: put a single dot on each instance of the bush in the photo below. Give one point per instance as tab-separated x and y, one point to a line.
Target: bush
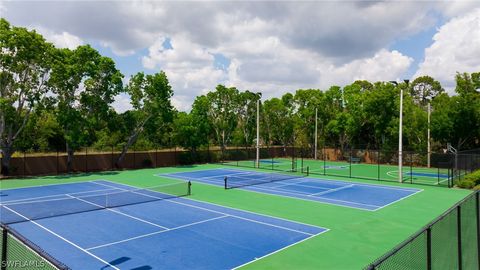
473	177
466	184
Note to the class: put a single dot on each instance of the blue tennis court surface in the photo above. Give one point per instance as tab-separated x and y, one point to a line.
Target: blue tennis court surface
174	233
360	196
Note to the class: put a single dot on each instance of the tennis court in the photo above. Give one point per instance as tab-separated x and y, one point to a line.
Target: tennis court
296	185
385	172
105	225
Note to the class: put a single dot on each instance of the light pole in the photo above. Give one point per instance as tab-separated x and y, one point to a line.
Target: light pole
400	134
316	129
429	152
257	161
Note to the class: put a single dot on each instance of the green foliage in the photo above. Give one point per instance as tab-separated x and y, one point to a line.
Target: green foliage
466	184
473	177
423	89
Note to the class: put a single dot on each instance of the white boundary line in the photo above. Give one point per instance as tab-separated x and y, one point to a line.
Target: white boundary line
276	251
34	200
64	239
331	190
47	185
394	174
399	200
294	184
312	177
155	233
121	213
249	188
298	193
222	213
266	255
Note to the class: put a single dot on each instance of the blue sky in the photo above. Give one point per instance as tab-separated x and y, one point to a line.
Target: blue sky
269	47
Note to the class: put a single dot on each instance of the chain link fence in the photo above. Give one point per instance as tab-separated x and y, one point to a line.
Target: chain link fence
17	252
449	242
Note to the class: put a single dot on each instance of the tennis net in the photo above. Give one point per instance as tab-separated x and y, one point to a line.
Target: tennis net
73	203
258	178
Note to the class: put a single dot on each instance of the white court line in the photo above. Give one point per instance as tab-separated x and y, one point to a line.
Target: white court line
222	213
292	221
293	193
290	195
48	185
367	184
192	177
324	179
295	184
399	200
49	196
121	213
155	233
276	251
64	239
331	190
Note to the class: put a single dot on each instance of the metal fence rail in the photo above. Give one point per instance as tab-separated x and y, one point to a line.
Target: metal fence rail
17	252
451	241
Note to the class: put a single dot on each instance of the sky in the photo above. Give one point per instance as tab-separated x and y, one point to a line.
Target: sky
272	47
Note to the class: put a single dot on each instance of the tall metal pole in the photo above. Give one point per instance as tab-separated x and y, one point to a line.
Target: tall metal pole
429	110
400	139
257	160
316	130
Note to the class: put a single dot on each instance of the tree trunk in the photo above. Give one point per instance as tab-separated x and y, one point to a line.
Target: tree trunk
131	140
69	158
7	153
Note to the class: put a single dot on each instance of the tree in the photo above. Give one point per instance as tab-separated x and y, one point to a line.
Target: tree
456	119
85	84
150	98
246	110
24	69
221	113
381	107
304	104
278	122
423	89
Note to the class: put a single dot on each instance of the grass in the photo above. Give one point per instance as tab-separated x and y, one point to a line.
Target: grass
355	239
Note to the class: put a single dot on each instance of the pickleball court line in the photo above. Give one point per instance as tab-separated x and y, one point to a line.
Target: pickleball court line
63	238
157	232
223	213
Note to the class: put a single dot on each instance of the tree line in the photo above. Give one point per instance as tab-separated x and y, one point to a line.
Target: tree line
53	98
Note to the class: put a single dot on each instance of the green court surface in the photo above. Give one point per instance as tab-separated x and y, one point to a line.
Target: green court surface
355	238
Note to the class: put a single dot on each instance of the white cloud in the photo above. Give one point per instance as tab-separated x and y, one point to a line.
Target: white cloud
61	39
188	66
456	48
383	66
122	103
456	8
